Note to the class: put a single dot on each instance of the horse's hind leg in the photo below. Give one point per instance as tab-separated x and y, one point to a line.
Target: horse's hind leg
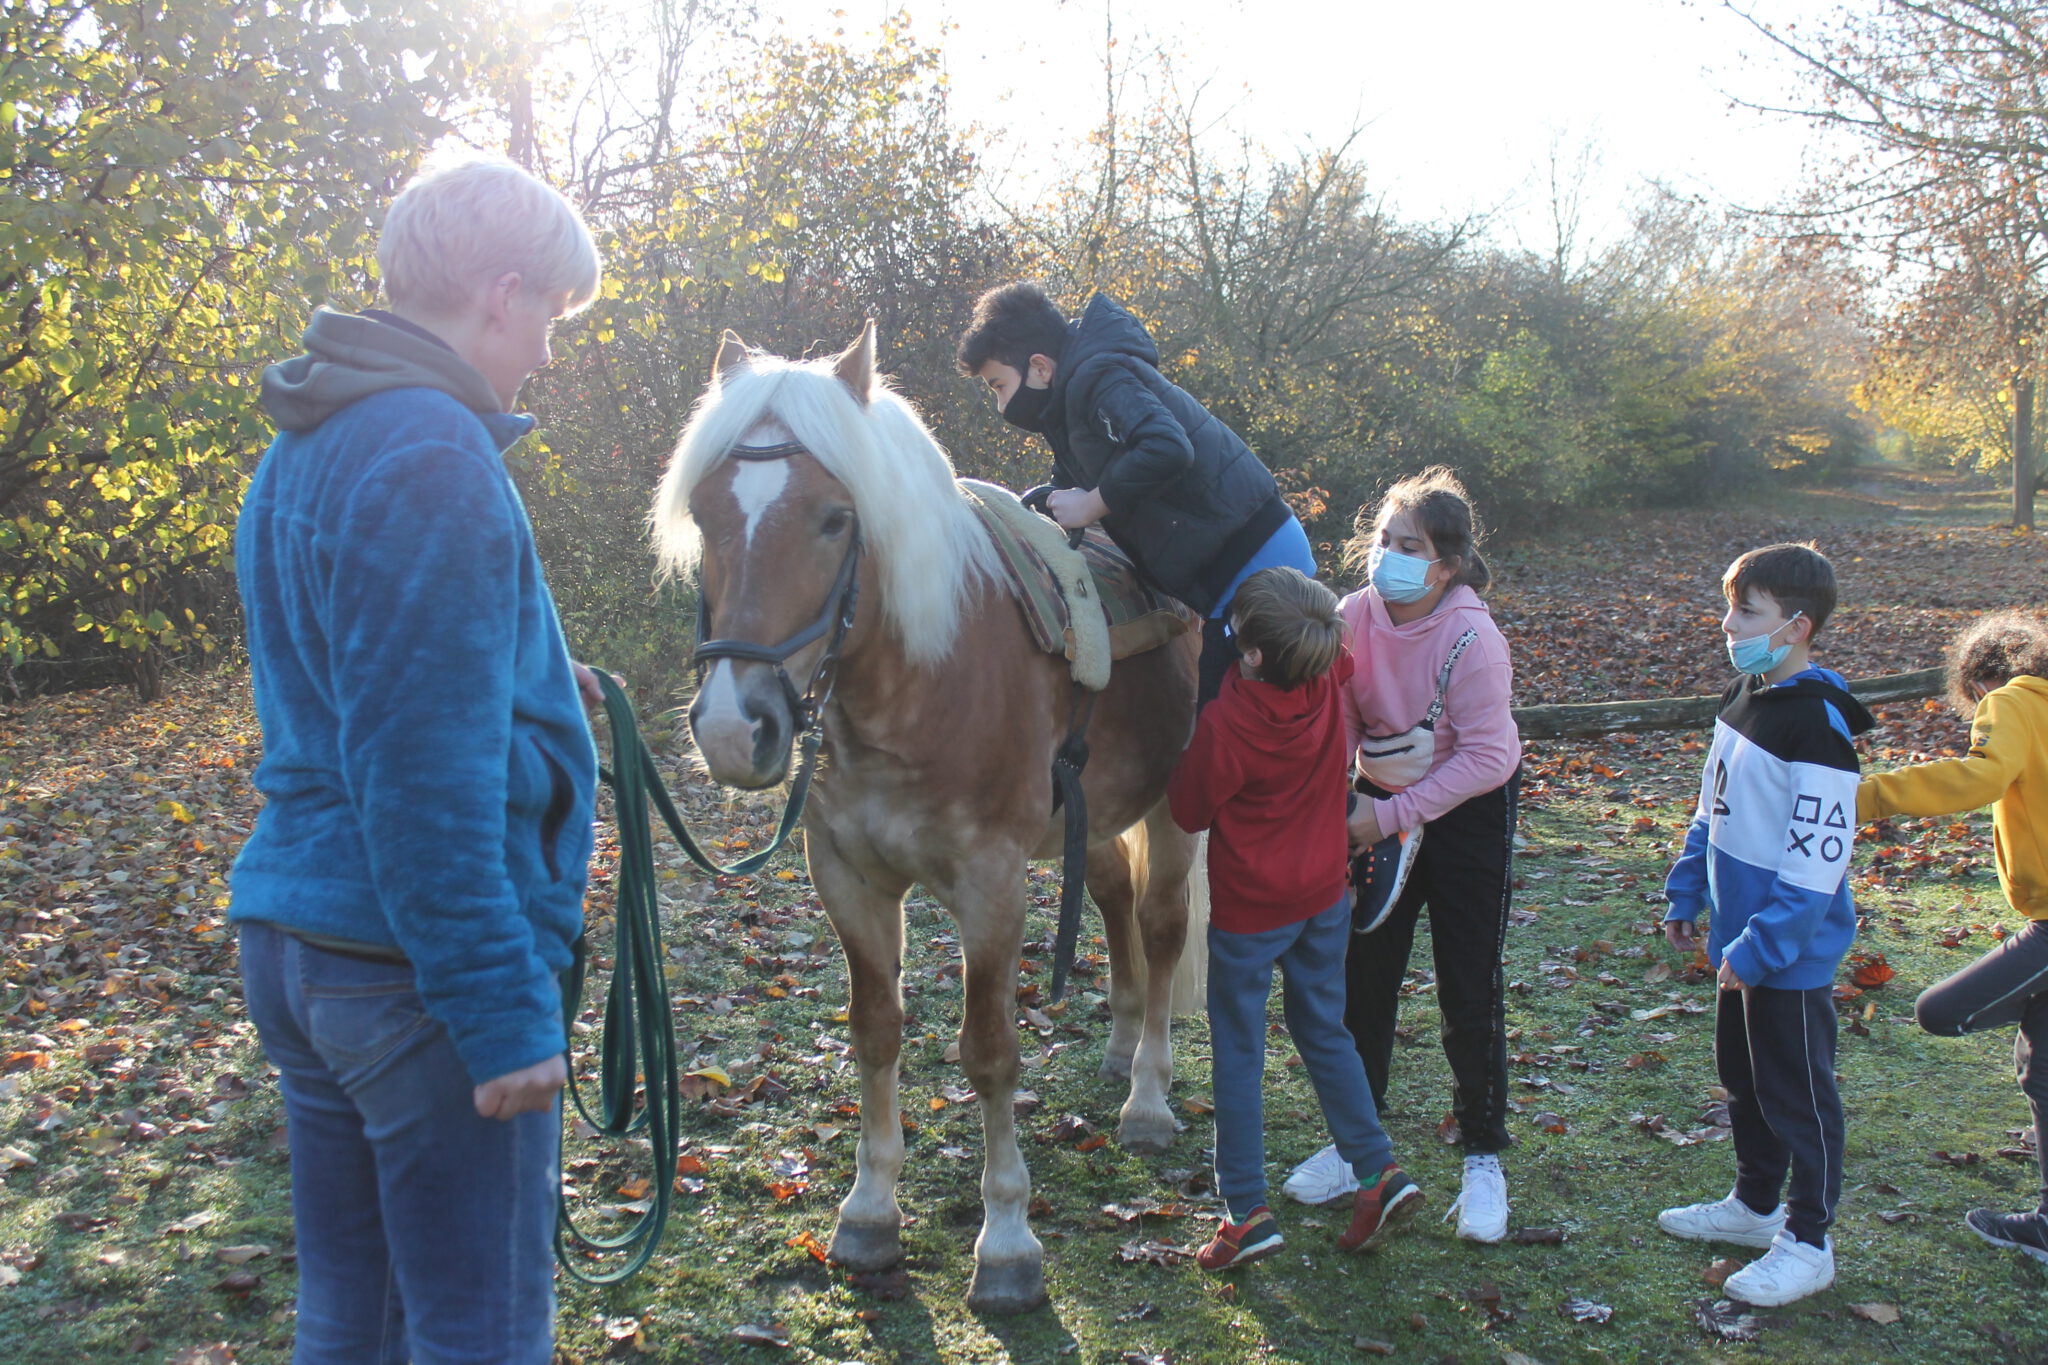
1156	857
869	922
1009	1263
1113	882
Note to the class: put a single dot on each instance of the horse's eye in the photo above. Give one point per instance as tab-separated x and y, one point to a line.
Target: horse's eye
836	522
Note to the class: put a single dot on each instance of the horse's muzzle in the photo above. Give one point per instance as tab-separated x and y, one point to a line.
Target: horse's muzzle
742	725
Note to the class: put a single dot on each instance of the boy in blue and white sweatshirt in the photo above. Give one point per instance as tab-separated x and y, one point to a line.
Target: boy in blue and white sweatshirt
1764	861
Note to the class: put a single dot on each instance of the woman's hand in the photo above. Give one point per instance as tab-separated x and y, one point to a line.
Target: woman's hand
1364	827
523	1091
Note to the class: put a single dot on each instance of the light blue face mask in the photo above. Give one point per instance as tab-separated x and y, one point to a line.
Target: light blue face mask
1398	577
1755	654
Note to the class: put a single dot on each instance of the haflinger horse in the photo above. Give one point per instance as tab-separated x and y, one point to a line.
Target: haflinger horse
797	490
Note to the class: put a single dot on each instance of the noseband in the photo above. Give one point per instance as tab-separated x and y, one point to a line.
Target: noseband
841	601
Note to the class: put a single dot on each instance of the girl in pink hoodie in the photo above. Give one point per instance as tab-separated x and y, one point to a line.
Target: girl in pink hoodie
1418	630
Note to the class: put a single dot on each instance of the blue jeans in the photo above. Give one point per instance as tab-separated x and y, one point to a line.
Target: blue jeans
1311	959
424	1230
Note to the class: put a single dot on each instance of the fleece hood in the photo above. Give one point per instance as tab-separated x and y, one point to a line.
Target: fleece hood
349	357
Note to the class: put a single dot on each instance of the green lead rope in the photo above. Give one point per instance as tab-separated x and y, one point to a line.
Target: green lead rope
638	1041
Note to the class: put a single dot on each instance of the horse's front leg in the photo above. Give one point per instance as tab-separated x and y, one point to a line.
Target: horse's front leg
1009	1263
869	922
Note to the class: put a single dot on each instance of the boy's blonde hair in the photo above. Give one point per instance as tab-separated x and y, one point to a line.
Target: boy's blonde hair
455	228
1292	621
1993	650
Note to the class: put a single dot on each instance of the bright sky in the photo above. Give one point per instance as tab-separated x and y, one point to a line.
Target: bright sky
1463	102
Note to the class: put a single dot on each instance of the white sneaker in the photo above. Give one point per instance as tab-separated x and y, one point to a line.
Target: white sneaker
1323	1177
1482	1205
1789	1271
1724	1220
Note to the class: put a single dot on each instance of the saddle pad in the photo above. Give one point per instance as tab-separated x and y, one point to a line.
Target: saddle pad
1126	617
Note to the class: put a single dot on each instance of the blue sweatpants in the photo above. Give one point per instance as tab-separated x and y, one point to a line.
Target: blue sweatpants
1310	955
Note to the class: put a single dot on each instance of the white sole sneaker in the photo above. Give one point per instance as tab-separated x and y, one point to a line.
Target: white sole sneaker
1482	1205
1723	1220
1321	1179
1787	1273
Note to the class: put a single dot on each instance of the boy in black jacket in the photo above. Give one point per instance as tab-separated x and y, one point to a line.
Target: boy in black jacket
1178	491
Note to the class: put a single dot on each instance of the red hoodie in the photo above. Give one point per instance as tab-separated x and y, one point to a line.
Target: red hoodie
1265	773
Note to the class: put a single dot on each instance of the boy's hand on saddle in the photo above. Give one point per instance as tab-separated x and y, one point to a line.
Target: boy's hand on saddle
1679	934
1075	508
1363	827
523	1091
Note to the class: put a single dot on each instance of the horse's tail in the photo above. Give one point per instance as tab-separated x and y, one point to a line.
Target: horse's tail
1191	972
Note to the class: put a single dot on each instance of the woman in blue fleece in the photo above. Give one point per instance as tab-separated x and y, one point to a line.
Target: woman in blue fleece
415	880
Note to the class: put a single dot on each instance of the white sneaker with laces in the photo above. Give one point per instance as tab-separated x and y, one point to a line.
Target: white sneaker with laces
1322	1178
1482	1205
1789	1271
1724	1220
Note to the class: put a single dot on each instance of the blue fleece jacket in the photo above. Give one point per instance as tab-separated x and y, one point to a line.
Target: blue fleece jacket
428	773
1769	843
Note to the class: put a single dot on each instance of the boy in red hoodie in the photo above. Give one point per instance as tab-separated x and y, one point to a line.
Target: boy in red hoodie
1265	774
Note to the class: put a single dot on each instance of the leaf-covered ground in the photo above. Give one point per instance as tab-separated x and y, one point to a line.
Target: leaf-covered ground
144	1214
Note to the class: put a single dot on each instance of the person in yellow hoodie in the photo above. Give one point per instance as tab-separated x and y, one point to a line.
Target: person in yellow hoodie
1998	679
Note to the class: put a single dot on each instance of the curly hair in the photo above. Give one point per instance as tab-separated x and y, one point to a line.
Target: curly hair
1993	650
1011	324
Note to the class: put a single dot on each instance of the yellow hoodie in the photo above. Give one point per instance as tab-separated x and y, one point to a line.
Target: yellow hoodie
2006	768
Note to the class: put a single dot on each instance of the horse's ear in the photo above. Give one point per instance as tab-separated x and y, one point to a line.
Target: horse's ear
856	364
733	356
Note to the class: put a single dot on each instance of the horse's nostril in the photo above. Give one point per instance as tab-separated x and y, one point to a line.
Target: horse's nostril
771	748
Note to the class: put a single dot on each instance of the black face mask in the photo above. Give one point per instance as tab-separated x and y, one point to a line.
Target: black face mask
1027	407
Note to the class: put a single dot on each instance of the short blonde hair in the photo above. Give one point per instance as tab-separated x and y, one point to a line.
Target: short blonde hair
1292	621
453	228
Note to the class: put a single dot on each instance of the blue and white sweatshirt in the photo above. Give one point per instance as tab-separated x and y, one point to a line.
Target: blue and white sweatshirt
1769	844
428	773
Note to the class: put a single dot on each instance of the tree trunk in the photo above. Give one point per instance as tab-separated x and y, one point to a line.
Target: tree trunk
2024	478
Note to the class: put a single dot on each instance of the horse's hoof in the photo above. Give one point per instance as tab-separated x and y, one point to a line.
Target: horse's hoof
1114	1068
1145	1135
866	1246
1007	1287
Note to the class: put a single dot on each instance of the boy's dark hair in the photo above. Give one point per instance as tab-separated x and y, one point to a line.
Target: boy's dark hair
1442	508
1993	650
1796	577
1292	621
1011	324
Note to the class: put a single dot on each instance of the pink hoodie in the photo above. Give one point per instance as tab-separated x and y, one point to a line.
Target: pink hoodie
1477	745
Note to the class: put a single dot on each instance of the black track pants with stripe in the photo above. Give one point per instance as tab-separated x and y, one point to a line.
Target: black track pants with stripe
1775	1051
1464	877
2008	985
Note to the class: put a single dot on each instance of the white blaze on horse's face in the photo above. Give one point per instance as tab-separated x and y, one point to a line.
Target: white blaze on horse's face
756	484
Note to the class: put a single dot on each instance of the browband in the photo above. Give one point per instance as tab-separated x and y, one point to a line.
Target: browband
774	452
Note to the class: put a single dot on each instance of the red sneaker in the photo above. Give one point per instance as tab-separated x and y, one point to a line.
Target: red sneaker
1236	1243
1378	1208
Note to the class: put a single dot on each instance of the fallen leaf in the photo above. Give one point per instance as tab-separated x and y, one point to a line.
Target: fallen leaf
1586	1310
1884	1313
759	1334
808	1241
1717	1273
1722	1319
241	1255
1154	1252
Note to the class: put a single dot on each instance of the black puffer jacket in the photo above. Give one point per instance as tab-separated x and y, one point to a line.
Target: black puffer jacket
1188	501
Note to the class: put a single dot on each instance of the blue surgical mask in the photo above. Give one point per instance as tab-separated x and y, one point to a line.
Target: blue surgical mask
1398	577
1755	654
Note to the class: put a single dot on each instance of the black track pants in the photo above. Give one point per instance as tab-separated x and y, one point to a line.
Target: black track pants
1775	1051
1464	874
2008	985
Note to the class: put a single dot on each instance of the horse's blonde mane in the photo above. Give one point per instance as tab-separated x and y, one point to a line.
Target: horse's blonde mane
928	547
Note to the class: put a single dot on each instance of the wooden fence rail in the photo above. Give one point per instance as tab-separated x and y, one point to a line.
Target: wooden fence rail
1695	713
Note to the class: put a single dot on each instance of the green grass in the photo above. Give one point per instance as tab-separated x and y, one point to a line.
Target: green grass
1589	877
